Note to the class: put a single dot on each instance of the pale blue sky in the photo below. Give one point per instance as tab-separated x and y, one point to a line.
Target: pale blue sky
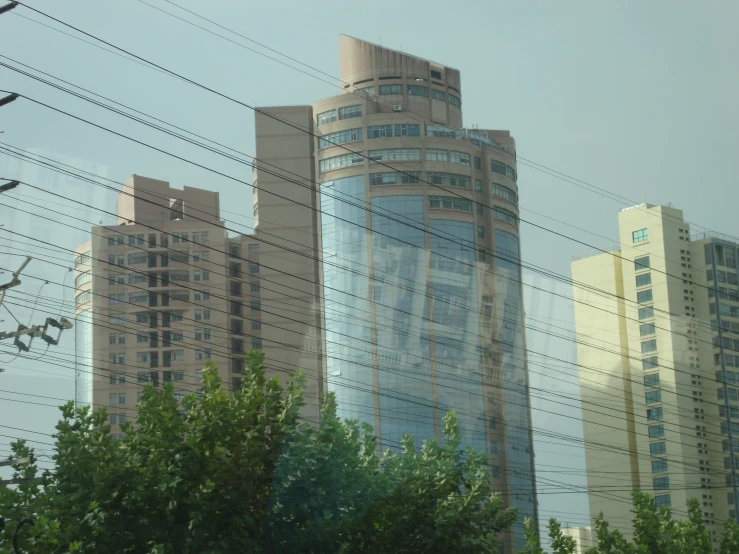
638	98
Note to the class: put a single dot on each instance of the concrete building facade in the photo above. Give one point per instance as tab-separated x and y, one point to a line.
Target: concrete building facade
657	356
415	221
166	289
583	538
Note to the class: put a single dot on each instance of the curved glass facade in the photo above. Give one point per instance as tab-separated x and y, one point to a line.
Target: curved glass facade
403	344
83	366
346	298
456	330
519	457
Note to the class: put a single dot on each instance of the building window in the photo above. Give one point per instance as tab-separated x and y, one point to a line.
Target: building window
649	346
641	263
438	95
640	236
479	208
644	296
367	90
386	90
504	192
656	431
658	448
347	112
646	313
455	101
643	279
395	155
379	131
650	363
255	305
340	137
480	232
654	413
460	158
408	130
659	466
651	380
478	163
653	396
505	215
662	500
253	268
256	344
647	329
255	287
450	203
387	178
436	155
418	90
326	117
478	185
661	483
256	325
449	179
337	162
497	167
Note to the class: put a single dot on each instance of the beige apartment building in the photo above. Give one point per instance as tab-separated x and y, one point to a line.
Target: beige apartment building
657	324
166	289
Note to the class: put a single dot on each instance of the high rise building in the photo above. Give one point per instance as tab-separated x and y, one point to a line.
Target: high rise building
415	221
165	289
658	329
386	261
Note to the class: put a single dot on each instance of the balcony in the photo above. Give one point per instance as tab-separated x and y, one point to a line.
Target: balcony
237	365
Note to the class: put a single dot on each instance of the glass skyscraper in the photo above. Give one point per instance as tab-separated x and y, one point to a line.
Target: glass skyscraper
417	230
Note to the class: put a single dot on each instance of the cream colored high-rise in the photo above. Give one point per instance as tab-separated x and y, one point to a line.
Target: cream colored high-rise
166	288
657	360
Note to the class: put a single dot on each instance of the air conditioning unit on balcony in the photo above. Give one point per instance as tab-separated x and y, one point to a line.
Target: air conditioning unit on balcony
397	108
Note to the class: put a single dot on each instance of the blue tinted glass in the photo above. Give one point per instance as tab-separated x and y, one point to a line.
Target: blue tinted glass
346	290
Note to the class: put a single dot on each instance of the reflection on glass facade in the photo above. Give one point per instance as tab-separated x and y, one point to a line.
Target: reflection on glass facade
509	311
412	331
403	346
456	327
346	298
83	357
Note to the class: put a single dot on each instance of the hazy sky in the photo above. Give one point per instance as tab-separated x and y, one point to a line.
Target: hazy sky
637	98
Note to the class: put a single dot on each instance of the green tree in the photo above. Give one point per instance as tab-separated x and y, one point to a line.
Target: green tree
730	538
531	535
561	544
226	473
437	500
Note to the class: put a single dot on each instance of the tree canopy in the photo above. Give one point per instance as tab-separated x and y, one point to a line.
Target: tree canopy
221	473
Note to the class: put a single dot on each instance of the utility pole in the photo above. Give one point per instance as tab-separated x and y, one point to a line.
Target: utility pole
17	480
35	330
